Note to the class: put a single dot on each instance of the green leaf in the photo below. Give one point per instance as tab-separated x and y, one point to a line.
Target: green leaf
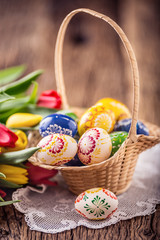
5	115
33	96
16	103
21	85
8	203
6	184
5	97
1	199
2	175
43	111
10	107
21	165
10	74
19	102
13	158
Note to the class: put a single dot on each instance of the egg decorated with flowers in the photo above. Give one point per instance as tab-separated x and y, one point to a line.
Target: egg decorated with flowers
94	146
96	204
58	123
120	110
56	149
96	116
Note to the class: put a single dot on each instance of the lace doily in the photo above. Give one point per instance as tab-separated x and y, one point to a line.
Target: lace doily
51	209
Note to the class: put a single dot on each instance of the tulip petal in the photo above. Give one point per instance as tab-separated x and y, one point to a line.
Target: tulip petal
38	175
7	137
20	144
2	193
23	120
10	170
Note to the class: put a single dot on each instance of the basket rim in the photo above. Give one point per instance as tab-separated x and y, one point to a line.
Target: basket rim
96	165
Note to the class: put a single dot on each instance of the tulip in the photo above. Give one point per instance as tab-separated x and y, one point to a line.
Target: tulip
50	99
20	144
23	120
38	175
14	174
2	193
7	137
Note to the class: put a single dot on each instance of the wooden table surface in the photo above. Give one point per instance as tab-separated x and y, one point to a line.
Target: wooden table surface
95	66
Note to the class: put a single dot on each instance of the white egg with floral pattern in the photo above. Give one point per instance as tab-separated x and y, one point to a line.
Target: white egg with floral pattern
94	146
56	149
96	204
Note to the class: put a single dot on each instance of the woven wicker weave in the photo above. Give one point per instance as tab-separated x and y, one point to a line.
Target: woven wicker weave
116	172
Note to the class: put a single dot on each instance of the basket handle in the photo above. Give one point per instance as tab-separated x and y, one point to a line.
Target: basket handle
135	74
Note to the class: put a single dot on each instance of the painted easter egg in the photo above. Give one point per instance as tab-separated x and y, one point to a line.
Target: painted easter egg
57	123
117	138
120	110
69	113
94	146
125	124
96	116
75	162
96	203
56	149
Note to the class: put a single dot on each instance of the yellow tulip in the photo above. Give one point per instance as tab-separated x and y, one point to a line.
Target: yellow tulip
20	144
14	174
23	120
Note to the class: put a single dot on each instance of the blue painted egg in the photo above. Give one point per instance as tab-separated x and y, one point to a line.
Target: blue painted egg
69	113
57	123
125	124
75	162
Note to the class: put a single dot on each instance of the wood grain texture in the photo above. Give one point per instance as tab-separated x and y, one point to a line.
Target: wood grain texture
13	226
95	66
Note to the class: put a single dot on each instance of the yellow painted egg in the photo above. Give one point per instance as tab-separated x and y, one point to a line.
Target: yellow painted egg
96	116
23	120
121	111
94	146
56	149
96	204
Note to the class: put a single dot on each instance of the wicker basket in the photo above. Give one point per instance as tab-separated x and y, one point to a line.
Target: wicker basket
116	172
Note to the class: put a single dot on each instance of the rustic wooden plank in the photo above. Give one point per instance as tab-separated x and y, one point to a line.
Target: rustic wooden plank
143	32
137	228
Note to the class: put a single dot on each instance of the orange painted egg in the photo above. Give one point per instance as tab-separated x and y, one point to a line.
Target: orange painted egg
56	149
120	110
96	204
94	146
96	116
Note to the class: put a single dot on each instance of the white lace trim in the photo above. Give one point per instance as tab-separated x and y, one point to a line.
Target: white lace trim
51	209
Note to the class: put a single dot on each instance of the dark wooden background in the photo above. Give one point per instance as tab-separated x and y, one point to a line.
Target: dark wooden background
95	66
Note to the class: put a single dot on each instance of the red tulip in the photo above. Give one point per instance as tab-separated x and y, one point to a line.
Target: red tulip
2	194
7	137
38	175
50	99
